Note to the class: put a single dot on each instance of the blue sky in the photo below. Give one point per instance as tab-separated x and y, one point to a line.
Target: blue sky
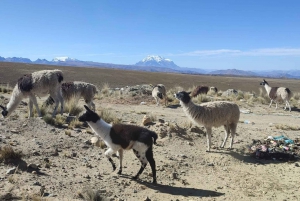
212	34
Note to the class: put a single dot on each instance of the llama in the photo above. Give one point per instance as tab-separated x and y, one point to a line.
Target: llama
39	83
211	114
278	93
77	89
120	137
159	92
199	90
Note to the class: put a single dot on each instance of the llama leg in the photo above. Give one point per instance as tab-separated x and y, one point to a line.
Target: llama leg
141	156
233	130
57	99
93	106
227	131
108	154
149	156
287	102
276	104
34	101
271	102
120	152
30	108
208	138
157	101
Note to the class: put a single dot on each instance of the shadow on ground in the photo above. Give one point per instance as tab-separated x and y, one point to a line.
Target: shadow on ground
176	190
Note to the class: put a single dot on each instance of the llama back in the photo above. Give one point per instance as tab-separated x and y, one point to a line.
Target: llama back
46	80
284	93
216	113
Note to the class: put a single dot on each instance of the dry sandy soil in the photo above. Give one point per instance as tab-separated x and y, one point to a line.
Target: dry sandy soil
69	167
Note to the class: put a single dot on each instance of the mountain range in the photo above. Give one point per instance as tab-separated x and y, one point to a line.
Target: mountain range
154	63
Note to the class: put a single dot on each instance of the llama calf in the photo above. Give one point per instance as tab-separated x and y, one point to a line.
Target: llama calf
199	90
159	92
278	93
119	137
211	114
76	89
39	84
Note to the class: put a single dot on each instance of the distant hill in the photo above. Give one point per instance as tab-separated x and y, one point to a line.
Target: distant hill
155	63
233	72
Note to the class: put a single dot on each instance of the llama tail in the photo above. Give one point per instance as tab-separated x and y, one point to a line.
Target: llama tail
154	136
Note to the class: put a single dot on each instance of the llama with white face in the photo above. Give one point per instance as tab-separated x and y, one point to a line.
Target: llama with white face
40	83
119	137
211	114
77	89
278	93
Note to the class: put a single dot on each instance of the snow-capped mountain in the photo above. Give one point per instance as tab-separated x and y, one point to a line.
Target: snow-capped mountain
63	59
153	60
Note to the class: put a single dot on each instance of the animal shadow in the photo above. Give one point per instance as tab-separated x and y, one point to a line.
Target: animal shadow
173	106
175	190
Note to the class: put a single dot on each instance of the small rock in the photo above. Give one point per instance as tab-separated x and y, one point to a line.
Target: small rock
146	120
161	121
33	166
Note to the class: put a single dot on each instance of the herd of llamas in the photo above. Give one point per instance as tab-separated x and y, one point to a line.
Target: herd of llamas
119	137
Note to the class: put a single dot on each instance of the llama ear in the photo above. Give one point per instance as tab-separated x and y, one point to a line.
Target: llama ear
189	92
3	108
87	108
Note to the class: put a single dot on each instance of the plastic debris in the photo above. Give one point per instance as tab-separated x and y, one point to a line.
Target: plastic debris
276	148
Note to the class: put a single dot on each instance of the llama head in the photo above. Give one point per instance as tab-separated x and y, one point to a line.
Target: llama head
183	96
264	83
4	112
89	116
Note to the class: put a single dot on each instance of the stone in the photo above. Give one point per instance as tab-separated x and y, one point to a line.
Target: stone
146	120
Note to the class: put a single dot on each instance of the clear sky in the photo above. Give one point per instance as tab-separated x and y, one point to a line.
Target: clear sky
207	34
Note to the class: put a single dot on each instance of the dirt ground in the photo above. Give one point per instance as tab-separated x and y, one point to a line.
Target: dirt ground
68	166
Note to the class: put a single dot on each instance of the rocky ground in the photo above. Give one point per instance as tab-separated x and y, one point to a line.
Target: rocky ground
68	167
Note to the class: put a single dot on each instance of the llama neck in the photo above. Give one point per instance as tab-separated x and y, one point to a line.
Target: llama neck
101	128
191	109
15	100
268	88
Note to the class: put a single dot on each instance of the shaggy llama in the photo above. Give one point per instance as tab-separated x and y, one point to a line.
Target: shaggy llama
39	83
76	89
211	114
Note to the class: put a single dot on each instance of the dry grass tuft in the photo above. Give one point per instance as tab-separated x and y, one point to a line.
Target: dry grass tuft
7	153
89	194
107	116
75	124
72	107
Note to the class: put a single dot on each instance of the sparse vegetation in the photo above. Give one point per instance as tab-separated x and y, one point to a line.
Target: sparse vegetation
107	116
287	127
75	124
72	108
7	153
